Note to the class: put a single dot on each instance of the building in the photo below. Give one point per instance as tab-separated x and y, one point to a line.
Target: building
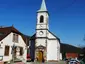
45	44
13	44
70	51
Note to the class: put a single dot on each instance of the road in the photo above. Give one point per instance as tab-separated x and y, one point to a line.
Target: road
42	63
61	62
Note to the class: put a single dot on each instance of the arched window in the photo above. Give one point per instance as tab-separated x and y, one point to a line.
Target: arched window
41	19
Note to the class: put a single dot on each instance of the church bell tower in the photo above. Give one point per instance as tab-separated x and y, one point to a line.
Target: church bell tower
42	24
41	31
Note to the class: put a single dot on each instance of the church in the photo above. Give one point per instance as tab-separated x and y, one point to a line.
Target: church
44	45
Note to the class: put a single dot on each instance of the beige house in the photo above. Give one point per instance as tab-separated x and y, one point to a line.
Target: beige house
12	44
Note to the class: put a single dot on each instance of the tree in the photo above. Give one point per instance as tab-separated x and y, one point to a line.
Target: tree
83	49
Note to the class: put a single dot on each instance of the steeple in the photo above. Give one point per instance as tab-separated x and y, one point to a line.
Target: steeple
43	7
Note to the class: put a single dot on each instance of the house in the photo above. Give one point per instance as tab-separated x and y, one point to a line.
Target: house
45	46
13	44
69	51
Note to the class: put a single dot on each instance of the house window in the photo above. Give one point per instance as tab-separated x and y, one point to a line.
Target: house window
6	53
41	19
15	37
21	51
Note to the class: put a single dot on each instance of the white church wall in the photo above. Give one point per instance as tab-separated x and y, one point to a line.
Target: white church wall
42	26
51	36
60	56
39	35
58	50
41	42
52	50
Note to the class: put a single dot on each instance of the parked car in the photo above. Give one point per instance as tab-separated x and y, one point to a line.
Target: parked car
74	61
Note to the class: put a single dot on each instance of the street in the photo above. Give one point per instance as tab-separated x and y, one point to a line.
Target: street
42	63
61	62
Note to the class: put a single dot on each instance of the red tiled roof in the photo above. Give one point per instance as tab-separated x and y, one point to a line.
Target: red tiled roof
7	30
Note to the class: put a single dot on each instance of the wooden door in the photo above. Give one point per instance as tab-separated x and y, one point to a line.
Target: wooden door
40	56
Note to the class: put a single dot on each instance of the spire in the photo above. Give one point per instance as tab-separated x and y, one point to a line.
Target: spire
43	6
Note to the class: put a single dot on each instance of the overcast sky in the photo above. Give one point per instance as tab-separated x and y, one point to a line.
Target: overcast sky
67	17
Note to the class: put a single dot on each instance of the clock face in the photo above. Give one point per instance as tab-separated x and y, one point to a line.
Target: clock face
41	32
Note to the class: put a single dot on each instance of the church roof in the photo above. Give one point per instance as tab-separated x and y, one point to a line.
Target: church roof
55	36
33	37
43	7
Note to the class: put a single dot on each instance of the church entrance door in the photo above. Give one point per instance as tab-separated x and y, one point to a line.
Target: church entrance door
40	56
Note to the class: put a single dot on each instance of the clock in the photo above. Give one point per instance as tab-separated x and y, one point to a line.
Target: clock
41	32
